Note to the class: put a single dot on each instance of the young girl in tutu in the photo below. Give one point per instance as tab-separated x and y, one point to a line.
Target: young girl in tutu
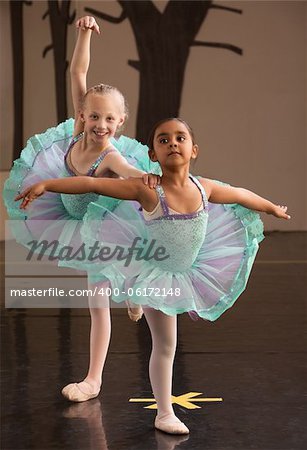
207	248
87	147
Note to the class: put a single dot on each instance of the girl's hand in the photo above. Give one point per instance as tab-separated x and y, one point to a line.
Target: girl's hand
151	180
30	194
280	211
88	23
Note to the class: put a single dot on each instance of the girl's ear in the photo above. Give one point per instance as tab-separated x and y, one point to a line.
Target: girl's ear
79	124
152	155
195	150
120	124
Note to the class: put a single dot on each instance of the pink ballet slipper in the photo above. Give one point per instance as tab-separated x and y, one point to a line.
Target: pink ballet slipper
73	393
171	426
135	312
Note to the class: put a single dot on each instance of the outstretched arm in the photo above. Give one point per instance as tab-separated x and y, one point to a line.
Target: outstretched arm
227	194
80	64
131	189
119	165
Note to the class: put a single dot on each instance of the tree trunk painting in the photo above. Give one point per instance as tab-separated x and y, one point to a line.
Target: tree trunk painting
163	42
59	19
16	9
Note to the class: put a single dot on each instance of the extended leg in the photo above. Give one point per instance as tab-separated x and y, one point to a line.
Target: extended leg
99	343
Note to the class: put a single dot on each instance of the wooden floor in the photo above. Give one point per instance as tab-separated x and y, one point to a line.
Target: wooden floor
249	366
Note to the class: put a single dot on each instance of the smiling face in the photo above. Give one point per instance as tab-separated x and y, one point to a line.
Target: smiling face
173	144
102	115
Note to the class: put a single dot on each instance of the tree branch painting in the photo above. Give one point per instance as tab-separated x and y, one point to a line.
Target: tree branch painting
163	43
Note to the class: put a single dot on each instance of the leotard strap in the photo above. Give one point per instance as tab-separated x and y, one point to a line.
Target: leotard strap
202	191
162	199
165	207
95	164
100	158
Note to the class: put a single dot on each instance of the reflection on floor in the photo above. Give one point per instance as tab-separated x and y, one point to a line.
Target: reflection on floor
252	358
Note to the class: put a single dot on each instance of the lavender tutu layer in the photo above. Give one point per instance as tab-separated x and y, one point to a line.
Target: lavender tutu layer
208	286
55	216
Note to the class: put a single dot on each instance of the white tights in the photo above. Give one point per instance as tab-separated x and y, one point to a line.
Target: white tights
100	335
163	329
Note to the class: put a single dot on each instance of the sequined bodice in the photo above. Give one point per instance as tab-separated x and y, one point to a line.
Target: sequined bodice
182	235
76	205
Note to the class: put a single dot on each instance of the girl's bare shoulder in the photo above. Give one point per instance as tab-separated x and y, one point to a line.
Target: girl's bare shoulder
207	184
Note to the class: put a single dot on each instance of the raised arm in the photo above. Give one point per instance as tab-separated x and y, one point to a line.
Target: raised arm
80	64
227	194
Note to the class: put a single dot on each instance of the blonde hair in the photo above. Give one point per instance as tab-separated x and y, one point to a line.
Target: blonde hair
105	89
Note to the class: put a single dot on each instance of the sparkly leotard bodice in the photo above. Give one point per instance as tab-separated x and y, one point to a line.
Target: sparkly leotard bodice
181	235
211	251
76	205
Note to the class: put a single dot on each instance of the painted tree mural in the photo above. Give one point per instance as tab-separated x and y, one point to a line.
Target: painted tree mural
163	43
16	19
59	18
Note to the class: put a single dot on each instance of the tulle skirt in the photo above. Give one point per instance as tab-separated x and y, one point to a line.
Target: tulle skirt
206	289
